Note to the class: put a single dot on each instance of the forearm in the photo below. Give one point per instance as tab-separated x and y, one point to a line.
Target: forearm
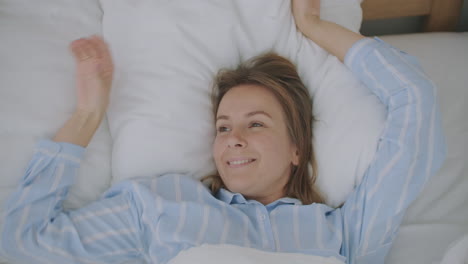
80	128
94	74
334	38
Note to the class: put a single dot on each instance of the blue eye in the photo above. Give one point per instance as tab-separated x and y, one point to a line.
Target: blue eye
256	124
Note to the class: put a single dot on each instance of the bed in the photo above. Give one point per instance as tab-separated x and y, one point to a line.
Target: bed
438	219
37	96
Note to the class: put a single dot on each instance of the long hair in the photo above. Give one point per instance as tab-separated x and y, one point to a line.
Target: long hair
280	77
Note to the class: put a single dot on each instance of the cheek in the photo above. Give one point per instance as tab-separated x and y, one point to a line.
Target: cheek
274	146
267	145
264	142
217	149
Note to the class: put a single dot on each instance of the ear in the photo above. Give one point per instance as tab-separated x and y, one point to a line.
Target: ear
295	156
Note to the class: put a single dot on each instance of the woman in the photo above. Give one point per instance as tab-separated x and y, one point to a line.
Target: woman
263	196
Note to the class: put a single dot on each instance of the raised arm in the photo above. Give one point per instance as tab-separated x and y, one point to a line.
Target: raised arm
36	229
330	36
94	75
411	148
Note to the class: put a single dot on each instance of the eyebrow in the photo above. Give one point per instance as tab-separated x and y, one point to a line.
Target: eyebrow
259	112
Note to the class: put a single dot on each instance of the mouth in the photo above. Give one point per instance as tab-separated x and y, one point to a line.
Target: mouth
240	163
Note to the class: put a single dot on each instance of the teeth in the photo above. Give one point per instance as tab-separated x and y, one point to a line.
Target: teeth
238	162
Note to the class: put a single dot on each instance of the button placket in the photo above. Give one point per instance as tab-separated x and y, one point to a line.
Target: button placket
264	219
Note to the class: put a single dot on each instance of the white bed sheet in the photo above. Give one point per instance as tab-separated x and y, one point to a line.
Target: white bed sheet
440	215
436	219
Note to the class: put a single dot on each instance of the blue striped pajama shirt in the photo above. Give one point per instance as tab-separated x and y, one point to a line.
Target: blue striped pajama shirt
153	219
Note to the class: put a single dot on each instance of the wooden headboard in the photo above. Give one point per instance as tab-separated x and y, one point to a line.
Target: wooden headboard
440	15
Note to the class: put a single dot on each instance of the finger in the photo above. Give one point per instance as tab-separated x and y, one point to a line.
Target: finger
77	48
106	66
74	45
89	50
106	72
103	47
96	46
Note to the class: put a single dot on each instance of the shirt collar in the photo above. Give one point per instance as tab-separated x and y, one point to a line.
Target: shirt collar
237	198
229	197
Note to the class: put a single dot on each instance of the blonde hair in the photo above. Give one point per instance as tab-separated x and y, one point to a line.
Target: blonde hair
280	77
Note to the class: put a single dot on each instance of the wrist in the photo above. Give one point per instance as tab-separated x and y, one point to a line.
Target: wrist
309	24
80	128
91	115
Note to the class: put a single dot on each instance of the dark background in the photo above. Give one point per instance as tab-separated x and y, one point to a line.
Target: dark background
406	24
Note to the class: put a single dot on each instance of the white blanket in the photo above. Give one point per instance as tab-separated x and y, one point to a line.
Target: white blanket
457	252
229	254
440	215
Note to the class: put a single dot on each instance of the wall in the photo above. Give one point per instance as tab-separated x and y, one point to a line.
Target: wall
406	24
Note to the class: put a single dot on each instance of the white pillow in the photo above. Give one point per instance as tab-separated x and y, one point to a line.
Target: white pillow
37	89
166	55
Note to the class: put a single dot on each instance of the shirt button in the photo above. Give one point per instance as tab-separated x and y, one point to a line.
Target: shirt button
263	217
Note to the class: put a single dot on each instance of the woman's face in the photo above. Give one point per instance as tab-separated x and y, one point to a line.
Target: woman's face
252	150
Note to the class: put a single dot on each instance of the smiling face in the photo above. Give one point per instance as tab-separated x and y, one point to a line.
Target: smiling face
252	150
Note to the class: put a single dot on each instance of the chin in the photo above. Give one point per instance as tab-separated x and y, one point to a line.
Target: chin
237	186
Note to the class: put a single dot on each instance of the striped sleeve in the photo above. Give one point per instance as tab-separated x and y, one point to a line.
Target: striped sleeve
411	149
37	230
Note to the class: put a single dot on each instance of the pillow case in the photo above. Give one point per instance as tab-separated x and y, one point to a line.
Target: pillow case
37	89
166	55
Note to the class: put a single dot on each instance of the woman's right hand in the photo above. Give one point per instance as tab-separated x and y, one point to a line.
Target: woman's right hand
94	73
306	13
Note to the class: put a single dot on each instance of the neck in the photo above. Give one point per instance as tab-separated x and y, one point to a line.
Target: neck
267	199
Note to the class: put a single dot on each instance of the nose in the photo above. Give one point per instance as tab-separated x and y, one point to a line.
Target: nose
236	140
